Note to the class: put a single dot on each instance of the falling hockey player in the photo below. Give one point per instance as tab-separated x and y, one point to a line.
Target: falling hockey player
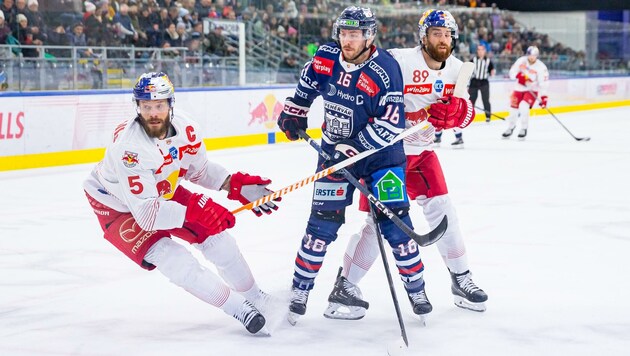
429	73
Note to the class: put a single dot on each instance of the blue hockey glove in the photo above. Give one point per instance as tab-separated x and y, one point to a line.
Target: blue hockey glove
292	119
343	150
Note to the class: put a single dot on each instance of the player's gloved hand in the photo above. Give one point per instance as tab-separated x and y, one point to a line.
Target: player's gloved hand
451	111
202	210
543	101
343	150
292	119
246	188
522	78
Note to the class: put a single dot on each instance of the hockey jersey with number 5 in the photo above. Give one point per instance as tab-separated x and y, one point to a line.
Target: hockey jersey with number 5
140	174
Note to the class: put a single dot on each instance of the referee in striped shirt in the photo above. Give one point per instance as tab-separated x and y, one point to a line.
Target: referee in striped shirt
479	80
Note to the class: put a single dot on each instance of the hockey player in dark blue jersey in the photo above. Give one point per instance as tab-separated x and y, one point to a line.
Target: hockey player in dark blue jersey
362	89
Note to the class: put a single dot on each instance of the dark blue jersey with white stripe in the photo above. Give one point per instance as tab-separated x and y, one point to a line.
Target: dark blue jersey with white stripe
362	102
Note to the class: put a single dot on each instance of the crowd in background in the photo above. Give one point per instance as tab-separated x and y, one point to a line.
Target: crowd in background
302	23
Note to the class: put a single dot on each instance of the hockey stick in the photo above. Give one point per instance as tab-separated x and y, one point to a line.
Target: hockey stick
493	114
422	240
288	189
390	281
564	127
560	122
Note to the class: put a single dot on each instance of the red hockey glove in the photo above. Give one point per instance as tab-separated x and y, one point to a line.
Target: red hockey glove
522	78
202	210
292	119
543	101
451	111
246	189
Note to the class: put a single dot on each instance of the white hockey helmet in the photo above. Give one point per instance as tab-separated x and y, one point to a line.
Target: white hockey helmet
532	51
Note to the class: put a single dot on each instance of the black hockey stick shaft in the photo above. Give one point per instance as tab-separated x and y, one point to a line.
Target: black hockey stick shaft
390	281
423	240
564	127
560	122
493	114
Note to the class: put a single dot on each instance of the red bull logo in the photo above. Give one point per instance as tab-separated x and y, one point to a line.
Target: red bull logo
265	112
130	159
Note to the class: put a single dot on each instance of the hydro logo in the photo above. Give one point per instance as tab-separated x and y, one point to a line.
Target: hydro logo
439	86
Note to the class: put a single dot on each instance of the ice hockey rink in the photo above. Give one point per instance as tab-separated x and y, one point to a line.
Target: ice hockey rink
546	223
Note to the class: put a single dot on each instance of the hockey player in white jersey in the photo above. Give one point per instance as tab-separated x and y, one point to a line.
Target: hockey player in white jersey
136	194
429	75
532	80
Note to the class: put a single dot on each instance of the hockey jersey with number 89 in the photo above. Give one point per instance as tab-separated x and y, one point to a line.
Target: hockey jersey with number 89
422	87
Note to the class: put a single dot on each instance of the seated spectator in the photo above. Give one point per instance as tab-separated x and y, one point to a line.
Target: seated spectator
123	26
5	31
57	37
77	38
216	44
25	37
288	70
36	21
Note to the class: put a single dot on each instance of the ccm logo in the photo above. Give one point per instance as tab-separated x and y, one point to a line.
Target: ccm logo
290	109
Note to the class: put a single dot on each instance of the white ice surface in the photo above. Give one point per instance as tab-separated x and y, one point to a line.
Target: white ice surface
546	223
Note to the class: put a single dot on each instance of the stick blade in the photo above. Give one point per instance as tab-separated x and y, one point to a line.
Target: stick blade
585	139
432	236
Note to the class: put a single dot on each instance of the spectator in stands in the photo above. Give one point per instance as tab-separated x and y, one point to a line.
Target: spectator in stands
216	44
25	37
122	24
57	37
5	31
10	13
36	21
288	70
77	38
203	7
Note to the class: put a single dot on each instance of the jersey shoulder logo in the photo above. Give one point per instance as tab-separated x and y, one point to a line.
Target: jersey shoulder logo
323	65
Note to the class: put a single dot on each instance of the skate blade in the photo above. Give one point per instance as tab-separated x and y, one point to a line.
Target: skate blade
343	312
264	332
458	147
521	138
422	319
292	318
466	304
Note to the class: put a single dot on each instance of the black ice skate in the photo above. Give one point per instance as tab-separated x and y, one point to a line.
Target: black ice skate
508	133
420	304
438	139
251	318
467	294
345	301
522	134
297	308
458	143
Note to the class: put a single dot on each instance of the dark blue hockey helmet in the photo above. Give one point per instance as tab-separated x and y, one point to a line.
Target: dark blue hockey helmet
356	18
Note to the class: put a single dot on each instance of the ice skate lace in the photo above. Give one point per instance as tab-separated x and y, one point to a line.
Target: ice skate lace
466	283
246	314
419	297
299	296
352	289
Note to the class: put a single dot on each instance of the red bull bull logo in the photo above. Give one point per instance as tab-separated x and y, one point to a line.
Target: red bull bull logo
265	112
130	159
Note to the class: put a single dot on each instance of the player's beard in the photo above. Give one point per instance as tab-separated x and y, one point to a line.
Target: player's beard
156	131
437	54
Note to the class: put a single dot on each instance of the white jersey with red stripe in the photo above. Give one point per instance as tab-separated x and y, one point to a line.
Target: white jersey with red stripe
537	74
140	174
423	86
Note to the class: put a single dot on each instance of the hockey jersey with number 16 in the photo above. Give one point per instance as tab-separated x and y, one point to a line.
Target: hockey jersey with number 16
423	87
140	174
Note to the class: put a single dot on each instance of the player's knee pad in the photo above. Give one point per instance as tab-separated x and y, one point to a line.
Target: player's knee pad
324	225
220	249
173	260
436	207
392	233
